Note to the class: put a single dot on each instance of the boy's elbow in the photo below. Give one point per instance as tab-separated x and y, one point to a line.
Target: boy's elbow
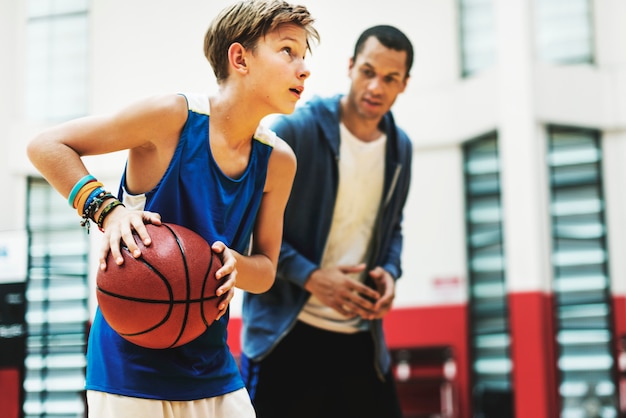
32	150
36	155
264	285
37	149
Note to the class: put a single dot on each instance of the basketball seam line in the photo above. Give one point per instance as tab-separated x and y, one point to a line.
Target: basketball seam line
136	299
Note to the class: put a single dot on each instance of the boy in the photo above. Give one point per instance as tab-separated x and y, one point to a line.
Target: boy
222	176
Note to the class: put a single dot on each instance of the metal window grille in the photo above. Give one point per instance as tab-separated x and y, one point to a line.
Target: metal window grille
56	60
489	322
581	283
477	35
564	31
57	310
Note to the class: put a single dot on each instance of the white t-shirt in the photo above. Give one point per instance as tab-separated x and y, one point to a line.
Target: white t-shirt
361	178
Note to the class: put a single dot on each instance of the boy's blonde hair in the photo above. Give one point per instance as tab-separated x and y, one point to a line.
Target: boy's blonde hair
245	22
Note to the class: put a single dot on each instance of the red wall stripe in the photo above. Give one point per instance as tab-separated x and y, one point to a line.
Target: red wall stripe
619	315
10	385
534	354
427	326
419	327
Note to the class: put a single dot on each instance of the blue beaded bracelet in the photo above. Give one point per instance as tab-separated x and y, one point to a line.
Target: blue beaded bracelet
92	196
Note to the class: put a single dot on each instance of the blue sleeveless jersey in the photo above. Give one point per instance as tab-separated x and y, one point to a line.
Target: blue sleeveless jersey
194	193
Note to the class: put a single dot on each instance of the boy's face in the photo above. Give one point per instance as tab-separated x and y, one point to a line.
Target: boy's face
378	76
278	69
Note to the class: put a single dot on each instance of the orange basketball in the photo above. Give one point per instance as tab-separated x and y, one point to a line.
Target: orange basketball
166	297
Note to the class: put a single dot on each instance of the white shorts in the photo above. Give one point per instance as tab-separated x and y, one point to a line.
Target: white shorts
232	405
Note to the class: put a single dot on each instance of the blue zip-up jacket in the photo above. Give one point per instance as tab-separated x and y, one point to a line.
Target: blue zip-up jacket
313	133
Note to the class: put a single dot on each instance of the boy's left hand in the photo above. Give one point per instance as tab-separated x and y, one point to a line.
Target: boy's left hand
228	271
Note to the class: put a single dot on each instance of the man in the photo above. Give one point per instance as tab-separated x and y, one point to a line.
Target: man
202	162
313	345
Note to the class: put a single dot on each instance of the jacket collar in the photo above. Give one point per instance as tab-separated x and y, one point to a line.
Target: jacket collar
328	122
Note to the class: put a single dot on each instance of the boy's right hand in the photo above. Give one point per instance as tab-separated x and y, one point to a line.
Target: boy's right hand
119	226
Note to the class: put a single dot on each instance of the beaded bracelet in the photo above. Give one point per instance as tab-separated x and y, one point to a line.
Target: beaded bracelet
106	211
95	193
79	185
93	207
96	203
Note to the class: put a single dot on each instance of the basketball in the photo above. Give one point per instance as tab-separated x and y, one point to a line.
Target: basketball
166	297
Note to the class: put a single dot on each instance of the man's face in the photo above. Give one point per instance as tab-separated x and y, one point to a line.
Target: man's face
378	75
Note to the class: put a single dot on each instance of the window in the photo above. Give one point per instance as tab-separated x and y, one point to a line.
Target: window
57	312
56	75
581	283
477	31
489	324
564	31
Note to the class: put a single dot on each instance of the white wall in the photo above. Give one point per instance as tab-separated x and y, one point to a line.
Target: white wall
145	47
11	185
434	230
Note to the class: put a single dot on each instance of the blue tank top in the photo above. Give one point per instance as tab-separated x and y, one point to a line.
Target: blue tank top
194	193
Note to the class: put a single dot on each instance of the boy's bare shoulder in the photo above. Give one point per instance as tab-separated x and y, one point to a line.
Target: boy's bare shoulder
282	163
155	115
155	121
284	150
280	148
171	104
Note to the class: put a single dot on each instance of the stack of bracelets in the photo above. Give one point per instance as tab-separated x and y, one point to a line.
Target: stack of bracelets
87	196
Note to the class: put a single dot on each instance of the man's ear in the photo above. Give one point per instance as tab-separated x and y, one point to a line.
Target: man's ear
237	57
350	65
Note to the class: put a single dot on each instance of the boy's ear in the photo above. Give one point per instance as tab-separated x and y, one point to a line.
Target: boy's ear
237	57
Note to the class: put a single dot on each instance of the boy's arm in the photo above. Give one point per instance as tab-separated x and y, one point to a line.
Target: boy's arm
150	124
149	129
256	272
